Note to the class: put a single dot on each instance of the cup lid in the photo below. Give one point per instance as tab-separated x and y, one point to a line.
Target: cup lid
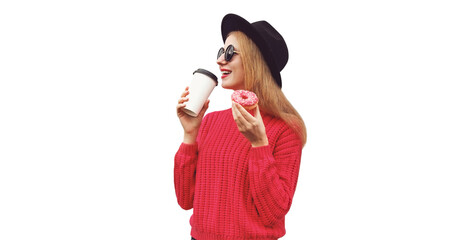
207	73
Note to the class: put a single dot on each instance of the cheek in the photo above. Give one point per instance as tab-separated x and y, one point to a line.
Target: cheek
241	75
240	71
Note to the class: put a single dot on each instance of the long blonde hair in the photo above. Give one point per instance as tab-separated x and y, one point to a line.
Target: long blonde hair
258	79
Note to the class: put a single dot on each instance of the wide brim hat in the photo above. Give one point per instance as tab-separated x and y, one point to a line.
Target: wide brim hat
266	37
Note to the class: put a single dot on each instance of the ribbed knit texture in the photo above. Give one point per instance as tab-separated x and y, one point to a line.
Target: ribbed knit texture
237	191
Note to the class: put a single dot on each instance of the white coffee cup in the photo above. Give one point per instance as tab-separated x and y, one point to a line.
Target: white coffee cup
202	85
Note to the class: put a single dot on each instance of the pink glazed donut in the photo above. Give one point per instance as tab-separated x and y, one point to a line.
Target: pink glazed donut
247	99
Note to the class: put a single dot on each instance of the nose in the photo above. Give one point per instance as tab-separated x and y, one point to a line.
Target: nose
221	60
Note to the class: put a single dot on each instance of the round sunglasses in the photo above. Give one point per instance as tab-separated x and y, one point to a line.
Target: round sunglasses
229	52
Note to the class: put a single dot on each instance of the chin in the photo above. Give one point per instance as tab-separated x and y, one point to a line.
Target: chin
230	87
226	86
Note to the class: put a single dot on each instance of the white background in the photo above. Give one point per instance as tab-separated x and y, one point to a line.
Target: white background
88	128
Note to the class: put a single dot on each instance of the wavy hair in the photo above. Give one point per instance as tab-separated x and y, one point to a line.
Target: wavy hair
258	79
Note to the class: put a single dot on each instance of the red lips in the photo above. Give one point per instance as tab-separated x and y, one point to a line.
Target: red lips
225	72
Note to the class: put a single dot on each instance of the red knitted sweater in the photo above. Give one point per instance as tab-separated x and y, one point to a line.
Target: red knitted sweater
237	191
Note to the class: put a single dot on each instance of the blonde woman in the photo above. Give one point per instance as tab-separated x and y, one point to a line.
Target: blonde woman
238	170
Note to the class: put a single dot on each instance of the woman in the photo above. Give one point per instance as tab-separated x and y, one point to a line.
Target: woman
236	169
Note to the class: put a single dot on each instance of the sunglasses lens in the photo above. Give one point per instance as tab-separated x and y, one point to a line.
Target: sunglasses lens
229	53
220	52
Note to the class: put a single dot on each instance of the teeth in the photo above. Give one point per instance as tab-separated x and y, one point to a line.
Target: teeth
226	72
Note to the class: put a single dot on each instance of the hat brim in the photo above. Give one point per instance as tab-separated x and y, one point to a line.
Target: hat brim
232	22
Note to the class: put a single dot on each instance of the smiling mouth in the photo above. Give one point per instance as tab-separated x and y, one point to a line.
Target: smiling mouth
225	73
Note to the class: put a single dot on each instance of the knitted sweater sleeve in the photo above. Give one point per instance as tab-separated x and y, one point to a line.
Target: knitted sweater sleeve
184	174
185	170
273	176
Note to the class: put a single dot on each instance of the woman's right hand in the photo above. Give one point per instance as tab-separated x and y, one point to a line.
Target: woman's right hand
190	124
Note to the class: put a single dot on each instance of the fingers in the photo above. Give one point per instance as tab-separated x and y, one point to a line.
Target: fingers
242	112
183	98
179	106
181	102
233	110
239	115
245	113
251	127
186	92
257	113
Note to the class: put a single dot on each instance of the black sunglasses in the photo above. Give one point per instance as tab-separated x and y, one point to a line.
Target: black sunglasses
229	53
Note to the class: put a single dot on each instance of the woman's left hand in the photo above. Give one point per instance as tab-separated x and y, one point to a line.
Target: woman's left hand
251	127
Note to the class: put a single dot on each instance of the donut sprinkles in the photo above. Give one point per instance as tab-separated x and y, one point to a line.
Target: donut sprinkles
247	99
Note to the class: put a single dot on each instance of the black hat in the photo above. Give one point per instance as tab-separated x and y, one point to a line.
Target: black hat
269	41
